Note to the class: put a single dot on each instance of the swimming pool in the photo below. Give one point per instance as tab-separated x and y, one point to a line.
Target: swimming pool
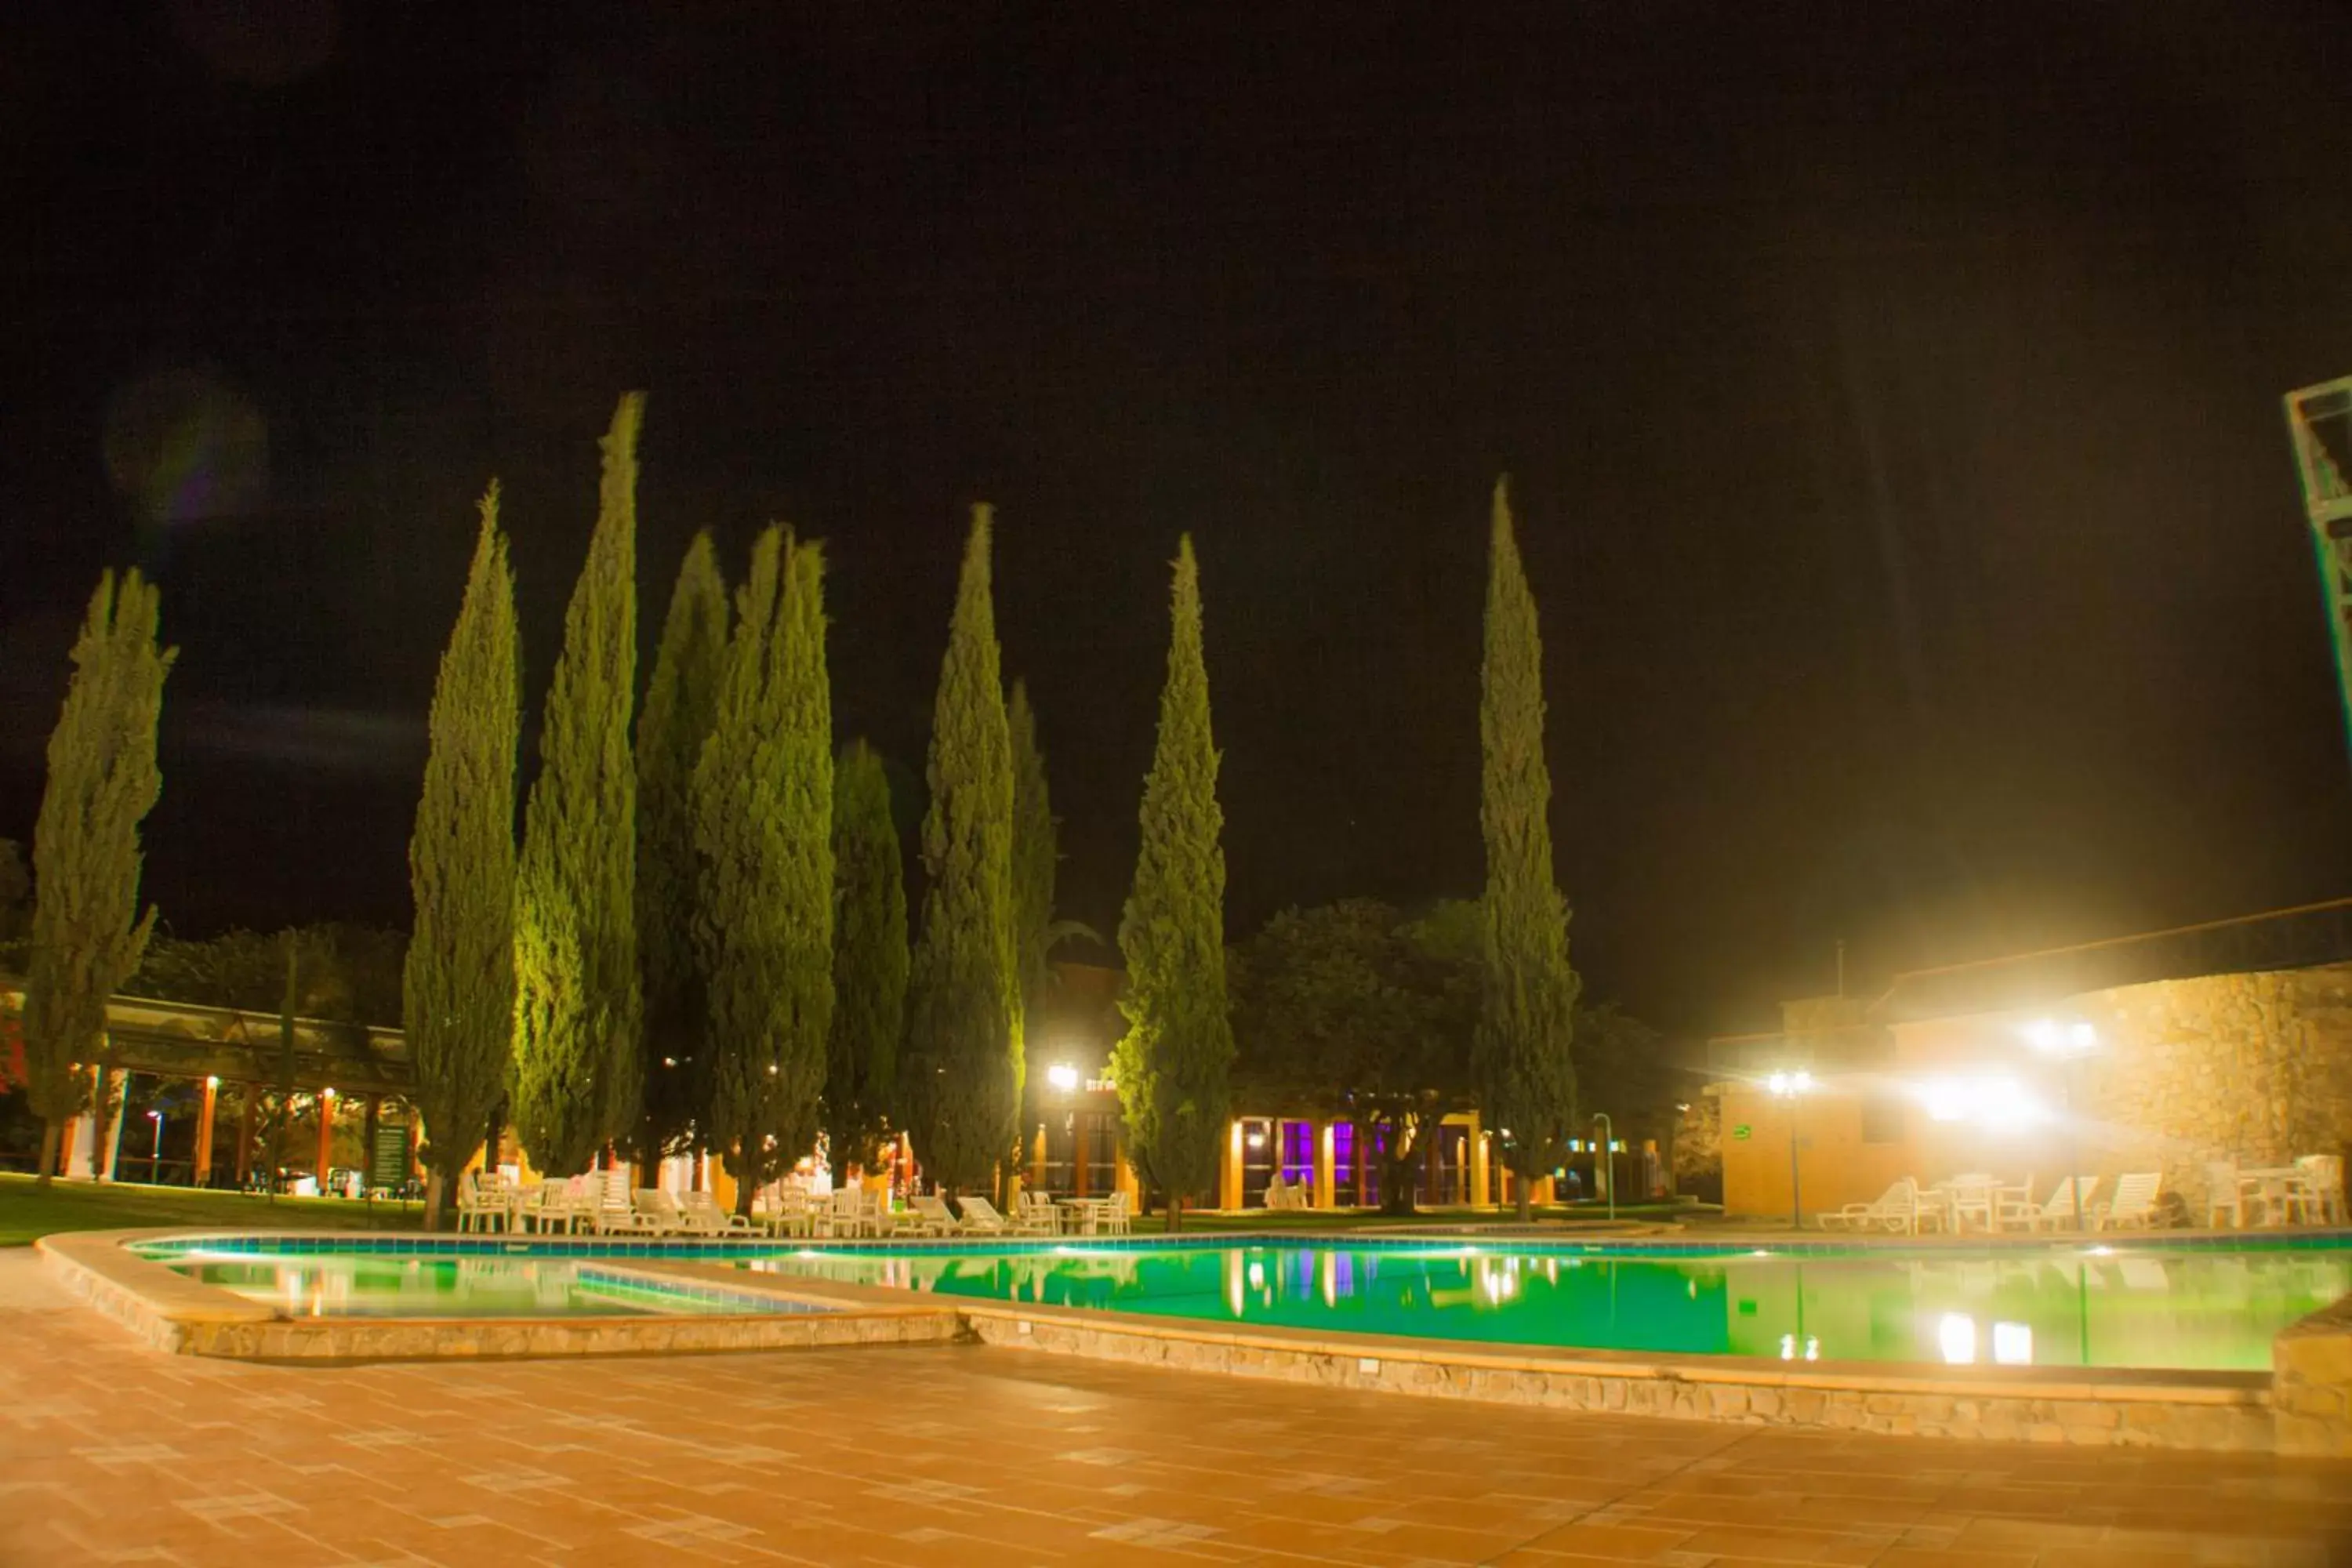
2186	1305
2200	1307
378	1285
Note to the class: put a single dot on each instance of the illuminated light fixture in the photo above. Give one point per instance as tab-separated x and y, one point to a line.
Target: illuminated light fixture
1759	1252
1996	1101
1956	1336
212	1080
1785	1084
2100	1251
1257	1140
326	1094
2012	1345
2055	1038
669	1061
1063	1077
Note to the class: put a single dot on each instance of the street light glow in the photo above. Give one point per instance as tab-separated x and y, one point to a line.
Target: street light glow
1996	1101
1063	1077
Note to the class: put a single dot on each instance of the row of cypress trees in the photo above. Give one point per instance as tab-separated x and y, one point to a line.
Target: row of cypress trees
721	900
708	928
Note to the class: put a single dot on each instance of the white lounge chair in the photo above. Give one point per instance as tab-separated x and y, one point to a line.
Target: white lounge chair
701	1215
2057	1211
2134	1205
616	1216
981	1216
1895	1209
929	1214
656	1211
1037	1209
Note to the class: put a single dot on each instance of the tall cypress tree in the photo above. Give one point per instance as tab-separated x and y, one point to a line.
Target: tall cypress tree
1034	853
1172	1064
869	956
1519	1053
88	931
578	1007
457	996
680	708
764	839
964	1071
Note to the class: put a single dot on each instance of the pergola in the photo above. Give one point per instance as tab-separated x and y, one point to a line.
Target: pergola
213	1048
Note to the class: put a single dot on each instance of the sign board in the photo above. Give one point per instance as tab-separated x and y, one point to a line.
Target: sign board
388	1159
1739	1133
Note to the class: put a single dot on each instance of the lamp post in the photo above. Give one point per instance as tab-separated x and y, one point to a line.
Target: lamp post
155	1160
1607	1168
2066	1044
1793	1087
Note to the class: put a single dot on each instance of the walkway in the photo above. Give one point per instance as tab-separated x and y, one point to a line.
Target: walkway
111	1454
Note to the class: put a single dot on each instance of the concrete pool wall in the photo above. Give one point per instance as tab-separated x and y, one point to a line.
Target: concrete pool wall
2303	1406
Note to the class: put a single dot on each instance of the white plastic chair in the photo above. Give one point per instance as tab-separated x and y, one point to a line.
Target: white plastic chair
1114	1218
2225	1195
1038	1209
481	1206
2322	1187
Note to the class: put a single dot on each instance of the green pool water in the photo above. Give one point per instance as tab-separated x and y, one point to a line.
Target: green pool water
391	1286
2066	1306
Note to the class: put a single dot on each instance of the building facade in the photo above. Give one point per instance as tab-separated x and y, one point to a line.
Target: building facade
2164	1051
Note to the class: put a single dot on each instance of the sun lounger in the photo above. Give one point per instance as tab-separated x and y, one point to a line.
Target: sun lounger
1895	1209
2134	1204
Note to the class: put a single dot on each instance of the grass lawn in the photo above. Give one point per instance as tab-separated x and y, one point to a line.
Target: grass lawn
27	1213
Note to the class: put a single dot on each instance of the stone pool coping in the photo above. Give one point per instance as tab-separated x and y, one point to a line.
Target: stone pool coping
2303	1406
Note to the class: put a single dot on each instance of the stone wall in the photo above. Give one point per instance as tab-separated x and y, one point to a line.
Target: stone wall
2255	1068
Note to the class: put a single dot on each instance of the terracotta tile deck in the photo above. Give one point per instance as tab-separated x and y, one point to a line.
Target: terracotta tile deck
113	1454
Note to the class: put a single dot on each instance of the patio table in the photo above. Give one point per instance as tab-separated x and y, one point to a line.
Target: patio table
1084	1215
2281	1189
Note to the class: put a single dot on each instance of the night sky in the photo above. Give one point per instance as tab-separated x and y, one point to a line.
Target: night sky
1890	393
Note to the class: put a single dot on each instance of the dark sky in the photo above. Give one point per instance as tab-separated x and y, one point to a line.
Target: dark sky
1890	393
